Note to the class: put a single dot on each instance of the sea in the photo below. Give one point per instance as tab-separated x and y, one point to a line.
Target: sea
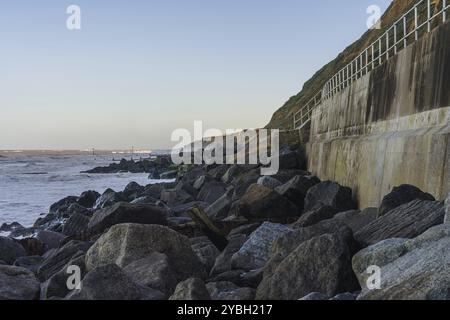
30	183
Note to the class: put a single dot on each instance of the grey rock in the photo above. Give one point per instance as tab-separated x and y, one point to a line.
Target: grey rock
60	258
109	282
154	272
260	202
200	182
224	290
402	195
269	182
10	250
127	213
18	283
191	289
8	227
88	198
31	263
223	261
407	221
212	191
126	243
56	285
219	210
331	194
254	253
314	216
246	229
447	209
356	219
76	224
182	209
252	278
234	276
347	296
51	240
108	198
292	159
144	200
314	296
63	203
168	175
411	269
173	197
206	251
322	264
296	188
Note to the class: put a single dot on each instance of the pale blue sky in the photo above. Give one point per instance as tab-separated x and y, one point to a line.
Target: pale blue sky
140	69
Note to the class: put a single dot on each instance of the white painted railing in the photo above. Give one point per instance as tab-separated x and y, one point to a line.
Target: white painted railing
403	32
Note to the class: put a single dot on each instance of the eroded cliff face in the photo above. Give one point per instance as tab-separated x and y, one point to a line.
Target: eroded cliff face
282	118
390	127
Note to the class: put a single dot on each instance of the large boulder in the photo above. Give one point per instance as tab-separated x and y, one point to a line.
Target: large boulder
322	264
8	227
225	290
219	210
50	239
297	188
88	198
331	194
127	213
205	250
260	202
314	216
407	221
175	197
255	251
269	182
10	250
126	243
410	269
212	191
191	289
63	204
31	263
132	190
154	272
356	219
59	258
18	283
292	159
109	282
402	195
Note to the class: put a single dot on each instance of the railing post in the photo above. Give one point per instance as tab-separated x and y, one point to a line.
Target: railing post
444	9
387	45
367	61
379	51
373	56
416	24
405	32
429	15
395	38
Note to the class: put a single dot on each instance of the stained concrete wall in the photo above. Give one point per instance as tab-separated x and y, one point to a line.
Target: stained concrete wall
390	127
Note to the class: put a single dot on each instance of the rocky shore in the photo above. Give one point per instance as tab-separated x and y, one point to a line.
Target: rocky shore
226	233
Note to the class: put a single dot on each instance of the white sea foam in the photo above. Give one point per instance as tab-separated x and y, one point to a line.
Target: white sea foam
30	184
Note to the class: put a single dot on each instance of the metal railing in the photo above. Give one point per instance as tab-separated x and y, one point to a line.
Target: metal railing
406	30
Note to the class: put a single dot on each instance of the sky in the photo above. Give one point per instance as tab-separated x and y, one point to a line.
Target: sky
137	70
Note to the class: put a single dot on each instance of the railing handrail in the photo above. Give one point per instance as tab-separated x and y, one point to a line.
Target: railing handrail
361	64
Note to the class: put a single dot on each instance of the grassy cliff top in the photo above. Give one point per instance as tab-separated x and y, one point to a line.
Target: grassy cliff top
282	118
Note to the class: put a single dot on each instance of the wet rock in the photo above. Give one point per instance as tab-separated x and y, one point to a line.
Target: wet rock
76	224
314	216
168	175
154	190
212	191
411	269
269	182
18	283
145	200
88	198
108	198
191	289
127	213
110	282
407	221
33	246
329	194
57	260
254	253
126	243
296	188
402	195
62	204
229	291
132	190
10	250
154	272
30	263
11	227
322	264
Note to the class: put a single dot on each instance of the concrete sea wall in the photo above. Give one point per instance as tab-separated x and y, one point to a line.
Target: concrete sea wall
390	127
